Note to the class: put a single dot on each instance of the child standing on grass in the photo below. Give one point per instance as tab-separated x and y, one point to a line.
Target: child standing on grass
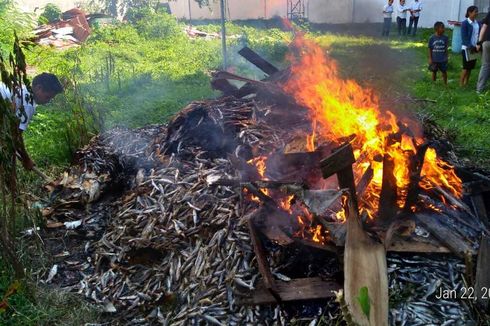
387	14
438	52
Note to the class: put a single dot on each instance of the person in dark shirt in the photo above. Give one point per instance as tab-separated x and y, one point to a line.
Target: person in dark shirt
438	52
484	45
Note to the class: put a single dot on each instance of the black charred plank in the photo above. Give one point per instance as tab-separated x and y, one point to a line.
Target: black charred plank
258	61
389	191
295	290
415	168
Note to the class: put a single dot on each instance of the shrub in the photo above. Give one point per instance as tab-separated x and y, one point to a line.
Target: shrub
50	14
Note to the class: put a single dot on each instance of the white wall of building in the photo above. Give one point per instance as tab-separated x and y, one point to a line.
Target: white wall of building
327	11
320	11
31	5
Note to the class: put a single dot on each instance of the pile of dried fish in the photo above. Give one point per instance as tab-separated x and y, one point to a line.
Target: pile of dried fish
175	250
416	284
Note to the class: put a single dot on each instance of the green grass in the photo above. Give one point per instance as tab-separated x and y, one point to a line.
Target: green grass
34	305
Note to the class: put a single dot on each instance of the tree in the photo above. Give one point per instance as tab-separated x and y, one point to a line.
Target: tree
50	14
120	7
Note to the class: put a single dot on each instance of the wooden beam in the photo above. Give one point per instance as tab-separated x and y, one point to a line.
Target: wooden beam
482	284
258	61
364	266
260	255
447	237
301	289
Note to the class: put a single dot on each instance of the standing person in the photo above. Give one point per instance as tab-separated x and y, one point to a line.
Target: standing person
414	17
484	43
401	18
44	88
438	52
387	14
470	31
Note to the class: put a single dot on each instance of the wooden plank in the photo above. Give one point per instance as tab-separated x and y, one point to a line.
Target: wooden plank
364	266
447	237
388	207
296	290
482	283
340	159
480	209
261	257
258	61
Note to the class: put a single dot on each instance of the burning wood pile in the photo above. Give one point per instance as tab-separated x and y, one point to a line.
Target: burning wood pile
261	206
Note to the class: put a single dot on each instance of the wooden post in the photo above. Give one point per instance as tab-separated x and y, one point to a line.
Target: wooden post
388	207
223	35
415	168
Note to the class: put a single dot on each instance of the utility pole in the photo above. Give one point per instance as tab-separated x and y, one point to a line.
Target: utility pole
223	34
190	13
265	9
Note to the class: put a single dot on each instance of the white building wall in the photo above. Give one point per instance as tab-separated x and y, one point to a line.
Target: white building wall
31	5
327	11
320	11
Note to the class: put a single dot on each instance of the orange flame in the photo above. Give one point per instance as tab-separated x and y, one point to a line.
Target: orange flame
285	203
339	108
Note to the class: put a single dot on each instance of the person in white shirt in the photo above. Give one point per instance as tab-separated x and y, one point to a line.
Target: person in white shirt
414	17
470	30
387	14
44	88
401	18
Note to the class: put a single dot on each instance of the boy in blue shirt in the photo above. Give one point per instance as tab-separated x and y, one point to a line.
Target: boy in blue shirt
438	52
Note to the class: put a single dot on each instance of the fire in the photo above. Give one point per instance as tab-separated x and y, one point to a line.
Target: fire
260	164
285	203
317	234
339	108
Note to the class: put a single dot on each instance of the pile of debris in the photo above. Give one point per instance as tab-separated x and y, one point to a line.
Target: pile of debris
71	30
178	224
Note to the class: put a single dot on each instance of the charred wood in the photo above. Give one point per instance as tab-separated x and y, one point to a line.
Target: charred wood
482	283
415	168
295	290
261	257
389	192
340	163
258	61
433	223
